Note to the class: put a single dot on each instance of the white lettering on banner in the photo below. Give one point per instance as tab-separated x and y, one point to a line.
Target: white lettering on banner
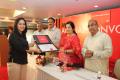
118	26
113	28
106	28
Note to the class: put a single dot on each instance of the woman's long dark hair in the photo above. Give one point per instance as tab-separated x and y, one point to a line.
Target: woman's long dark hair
72	25
16	28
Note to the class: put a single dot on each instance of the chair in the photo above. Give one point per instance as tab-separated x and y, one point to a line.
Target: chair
117	69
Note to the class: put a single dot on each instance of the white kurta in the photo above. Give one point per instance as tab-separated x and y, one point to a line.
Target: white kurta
101	45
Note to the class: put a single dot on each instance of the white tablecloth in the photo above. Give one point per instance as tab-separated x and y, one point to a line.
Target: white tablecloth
81	74
36	72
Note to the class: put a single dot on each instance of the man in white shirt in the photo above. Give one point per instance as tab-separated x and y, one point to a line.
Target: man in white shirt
97	49
53	32
39	31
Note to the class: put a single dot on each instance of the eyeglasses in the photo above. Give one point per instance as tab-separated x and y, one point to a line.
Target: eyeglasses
91	25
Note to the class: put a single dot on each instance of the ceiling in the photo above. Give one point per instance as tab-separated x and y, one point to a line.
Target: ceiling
39	9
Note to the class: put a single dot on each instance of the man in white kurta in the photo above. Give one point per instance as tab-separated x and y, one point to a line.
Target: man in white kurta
53	32
97	49
39	31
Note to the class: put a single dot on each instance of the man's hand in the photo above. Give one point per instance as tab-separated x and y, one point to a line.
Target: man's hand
33	49
88	54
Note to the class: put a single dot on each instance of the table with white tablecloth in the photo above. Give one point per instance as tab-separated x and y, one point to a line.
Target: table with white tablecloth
52	72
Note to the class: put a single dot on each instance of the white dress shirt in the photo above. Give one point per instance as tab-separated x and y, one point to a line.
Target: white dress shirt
54	35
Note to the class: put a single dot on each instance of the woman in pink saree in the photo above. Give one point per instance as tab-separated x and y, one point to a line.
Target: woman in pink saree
70	49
